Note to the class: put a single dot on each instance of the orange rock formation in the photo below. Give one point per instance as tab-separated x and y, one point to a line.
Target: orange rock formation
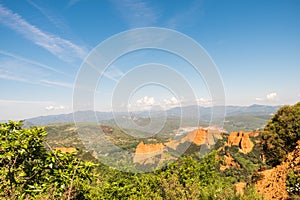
145	153
149	148
242	139
197	136
273	183
66	149
229	162
239	187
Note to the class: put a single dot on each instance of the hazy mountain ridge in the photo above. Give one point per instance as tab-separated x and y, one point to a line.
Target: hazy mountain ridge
188	112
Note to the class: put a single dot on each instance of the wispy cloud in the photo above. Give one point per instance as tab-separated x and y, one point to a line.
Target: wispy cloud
72	3
113	73
61	48
32	62
186	16
136	13
23	70
14	78
16	70
56	21
56	83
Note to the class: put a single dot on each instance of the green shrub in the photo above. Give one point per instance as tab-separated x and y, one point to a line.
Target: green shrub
281	134
293	183
27	170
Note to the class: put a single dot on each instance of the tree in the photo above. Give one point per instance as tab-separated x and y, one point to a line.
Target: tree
28	170
281	134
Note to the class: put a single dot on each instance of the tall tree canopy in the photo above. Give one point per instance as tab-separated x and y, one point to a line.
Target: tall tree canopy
281	134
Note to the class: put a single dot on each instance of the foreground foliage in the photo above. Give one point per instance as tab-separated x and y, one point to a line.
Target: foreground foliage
281	134
29	171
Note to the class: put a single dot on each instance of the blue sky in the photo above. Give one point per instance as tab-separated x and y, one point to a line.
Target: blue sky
254	43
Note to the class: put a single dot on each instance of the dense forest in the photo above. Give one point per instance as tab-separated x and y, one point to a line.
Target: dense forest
31	169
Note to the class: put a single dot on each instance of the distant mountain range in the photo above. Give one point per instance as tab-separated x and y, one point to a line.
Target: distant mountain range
188	112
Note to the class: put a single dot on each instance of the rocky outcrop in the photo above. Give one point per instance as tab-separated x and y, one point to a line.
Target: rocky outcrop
273	183
197	136
107	129
65	149
145	153
239	187
234	138
242	139
229	162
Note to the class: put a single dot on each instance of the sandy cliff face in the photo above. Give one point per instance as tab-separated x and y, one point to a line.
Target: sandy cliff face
66	149
229	162
273	183
146	152
242	139
149	148
197	137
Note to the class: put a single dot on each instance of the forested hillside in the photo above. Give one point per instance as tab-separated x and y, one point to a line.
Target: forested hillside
241	165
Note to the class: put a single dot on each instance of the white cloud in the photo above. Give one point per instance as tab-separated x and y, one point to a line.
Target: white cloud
172	101
146	101
56	20
55	83
60	107
272	96
113	73
202	101
13	69
61	48
269	97
31	62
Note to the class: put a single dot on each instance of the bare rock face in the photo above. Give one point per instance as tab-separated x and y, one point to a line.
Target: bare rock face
242	139
239	187
273	183
246	145
65	149
234	138
197	136
229	162
145	153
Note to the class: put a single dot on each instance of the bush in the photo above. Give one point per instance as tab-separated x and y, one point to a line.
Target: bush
293	183
281	134
28	170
